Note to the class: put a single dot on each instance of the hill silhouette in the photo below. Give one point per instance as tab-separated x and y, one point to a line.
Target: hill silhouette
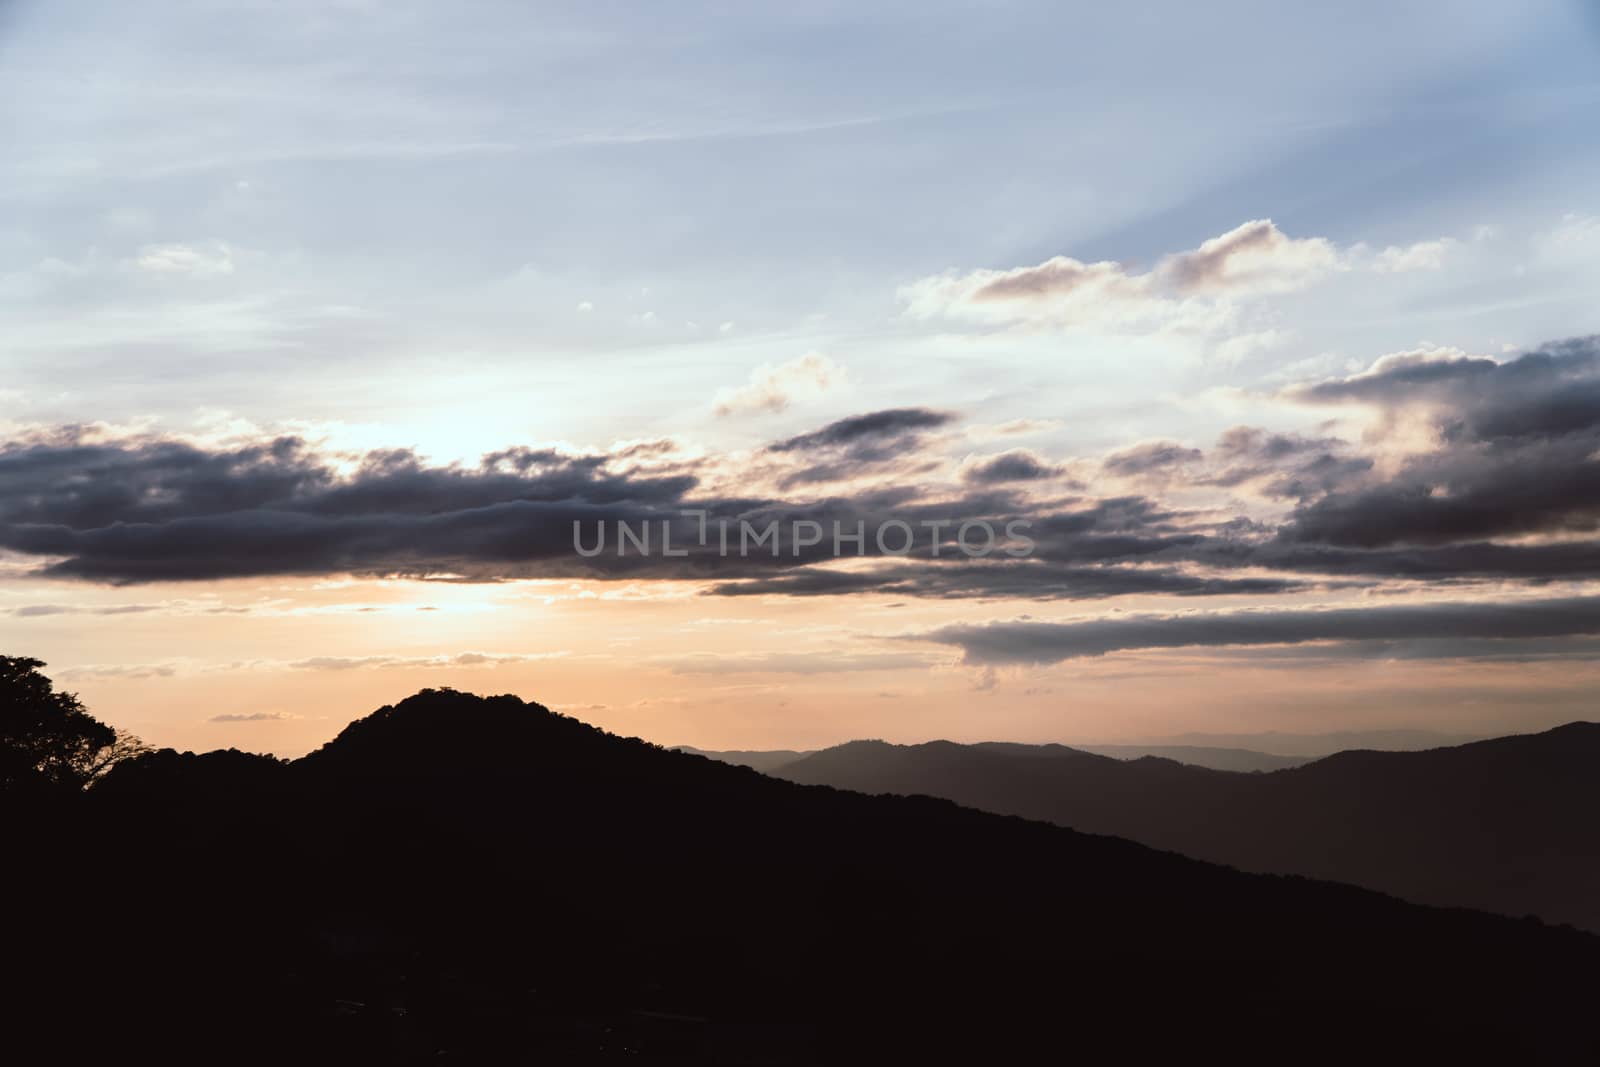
1315	746
1222	759
480	880
1505	825
1218	759
757	759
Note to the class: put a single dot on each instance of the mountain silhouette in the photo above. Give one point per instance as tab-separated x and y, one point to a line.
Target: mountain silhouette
1505	825
756	759
480	880
1315	746
1218	759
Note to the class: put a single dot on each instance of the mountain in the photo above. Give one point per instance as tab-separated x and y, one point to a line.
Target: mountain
471	880
1218	759
763	760
769	761
1315	746
1506	825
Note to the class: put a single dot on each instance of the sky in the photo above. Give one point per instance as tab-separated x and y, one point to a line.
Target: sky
322	324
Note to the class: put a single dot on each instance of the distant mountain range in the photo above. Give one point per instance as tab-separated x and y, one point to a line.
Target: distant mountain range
1510	825
1222	759
470	880
1267	751
1312	746
1218	759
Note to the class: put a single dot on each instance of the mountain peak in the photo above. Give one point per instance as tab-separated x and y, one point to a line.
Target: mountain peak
441	727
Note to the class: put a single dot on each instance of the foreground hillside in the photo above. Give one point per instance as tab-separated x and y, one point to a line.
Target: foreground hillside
1506	825
469	880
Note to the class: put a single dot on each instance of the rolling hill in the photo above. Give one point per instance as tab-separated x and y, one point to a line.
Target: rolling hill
1505	825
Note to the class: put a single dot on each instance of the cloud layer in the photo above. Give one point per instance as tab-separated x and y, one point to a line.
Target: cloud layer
1498	482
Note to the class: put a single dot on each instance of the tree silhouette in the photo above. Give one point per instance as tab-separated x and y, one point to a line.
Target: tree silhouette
47	739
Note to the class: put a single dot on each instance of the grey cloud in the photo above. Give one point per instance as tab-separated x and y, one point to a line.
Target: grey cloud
1550	392
879	441
1152	457
876	425
1283	465
1519	461
39	611
1037	580
1520	455
1017	465
1536	564
1035	642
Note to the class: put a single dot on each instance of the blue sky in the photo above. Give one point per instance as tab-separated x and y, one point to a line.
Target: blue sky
365	197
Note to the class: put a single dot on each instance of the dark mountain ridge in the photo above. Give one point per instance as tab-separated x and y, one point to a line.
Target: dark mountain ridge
1507	825
484	881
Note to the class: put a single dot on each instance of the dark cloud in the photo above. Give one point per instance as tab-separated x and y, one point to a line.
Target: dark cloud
1532	563
1518	455
1033	642
1551	489
1284	465
875	426
1017	465
1511	493
1010	579
147	510
1152	457
876	442
143	510
1551	392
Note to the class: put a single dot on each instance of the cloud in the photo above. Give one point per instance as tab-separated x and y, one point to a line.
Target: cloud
773	389
1516	450
1255	256
1150	458
37	611
1504	485
1424	255
1187	288
150	509
153	509
1016	465
1034	642
118	670
254	716
1284	465
889	441
1551	391
194	261
1056	277
1033	580
460	659
875	427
